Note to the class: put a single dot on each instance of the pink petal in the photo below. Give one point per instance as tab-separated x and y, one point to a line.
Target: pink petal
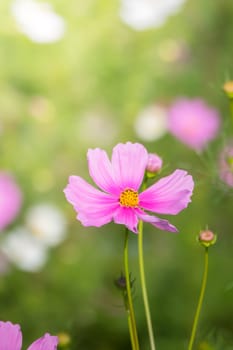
11	199
169	195
127	217
157	222
95	208
10	336
100	170
129	163
47	342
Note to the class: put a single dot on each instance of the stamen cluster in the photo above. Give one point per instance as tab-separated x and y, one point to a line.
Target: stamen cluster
129	198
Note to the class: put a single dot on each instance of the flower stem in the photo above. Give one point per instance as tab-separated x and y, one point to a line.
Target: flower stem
143	285
129	302
199	305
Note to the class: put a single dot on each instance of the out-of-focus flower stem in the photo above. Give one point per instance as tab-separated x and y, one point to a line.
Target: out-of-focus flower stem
128	300
200	301
143	285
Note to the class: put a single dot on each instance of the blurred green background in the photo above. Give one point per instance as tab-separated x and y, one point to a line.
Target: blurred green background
85	90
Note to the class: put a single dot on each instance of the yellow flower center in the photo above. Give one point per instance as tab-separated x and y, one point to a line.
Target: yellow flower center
129	198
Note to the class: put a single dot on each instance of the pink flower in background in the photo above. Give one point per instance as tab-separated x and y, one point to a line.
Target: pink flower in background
226	164
120	200
193	122
11	339
10	199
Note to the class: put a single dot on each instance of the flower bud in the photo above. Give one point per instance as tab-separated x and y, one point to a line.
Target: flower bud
154	164
64	339
228	88
120	282
207	238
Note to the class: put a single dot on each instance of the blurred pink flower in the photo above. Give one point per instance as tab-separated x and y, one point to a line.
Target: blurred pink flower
226	164
10	199
119	200
11	339
193	122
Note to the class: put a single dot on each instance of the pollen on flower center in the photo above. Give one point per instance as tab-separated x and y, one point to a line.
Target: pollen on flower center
129	198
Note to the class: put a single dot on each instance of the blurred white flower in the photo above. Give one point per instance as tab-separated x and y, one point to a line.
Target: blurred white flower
174	51
47	223
38	21
151	123
144	14
27	247
97	128
24	250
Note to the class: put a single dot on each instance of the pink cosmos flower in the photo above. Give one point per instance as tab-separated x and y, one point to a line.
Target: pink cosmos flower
193	122
10	199
11	339
120	200
226	164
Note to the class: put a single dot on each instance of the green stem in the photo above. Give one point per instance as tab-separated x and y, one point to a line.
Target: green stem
200	301
129	306
143	285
